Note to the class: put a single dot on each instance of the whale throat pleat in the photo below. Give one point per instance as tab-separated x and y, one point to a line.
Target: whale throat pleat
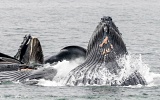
14	75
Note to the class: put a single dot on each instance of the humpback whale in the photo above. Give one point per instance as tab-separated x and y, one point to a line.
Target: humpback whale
30	51
29	55
105	47
67	53
26	65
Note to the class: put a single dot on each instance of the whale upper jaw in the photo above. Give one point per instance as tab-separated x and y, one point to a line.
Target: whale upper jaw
30	51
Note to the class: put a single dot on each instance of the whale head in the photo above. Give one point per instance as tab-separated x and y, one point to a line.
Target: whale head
30	52
104	48
107	28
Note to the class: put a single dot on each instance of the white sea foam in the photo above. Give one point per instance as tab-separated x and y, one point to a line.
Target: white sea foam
63	68
135	62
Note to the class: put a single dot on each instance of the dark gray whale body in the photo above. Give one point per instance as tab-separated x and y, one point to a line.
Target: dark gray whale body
68	53
30	57
104	49
22	66
30	51
23	76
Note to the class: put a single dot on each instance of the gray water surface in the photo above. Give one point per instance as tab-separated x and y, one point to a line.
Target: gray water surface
23	92
59	23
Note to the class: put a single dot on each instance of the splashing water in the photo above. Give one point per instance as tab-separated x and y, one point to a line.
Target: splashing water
63	68
128	65
134	62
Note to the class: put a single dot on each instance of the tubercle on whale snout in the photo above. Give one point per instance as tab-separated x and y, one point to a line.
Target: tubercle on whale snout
106	18
108	23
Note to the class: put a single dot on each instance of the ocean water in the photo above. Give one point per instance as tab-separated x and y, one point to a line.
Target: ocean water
60	23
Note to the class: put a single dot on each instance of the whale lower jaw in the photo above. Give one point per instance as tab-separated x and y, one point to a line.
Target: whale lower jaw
28	76
102	76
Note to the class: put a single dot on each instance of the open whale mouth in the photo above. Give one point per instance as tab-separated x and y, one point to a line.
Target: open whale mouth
107	36
104	49
30	51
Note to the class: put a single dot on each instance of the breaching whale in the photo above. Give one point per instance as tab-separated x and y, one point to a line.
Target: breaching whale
105	47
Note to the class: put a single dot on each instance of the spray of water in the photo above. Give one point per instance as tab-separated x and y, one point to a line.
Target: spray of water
128	64
63	68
